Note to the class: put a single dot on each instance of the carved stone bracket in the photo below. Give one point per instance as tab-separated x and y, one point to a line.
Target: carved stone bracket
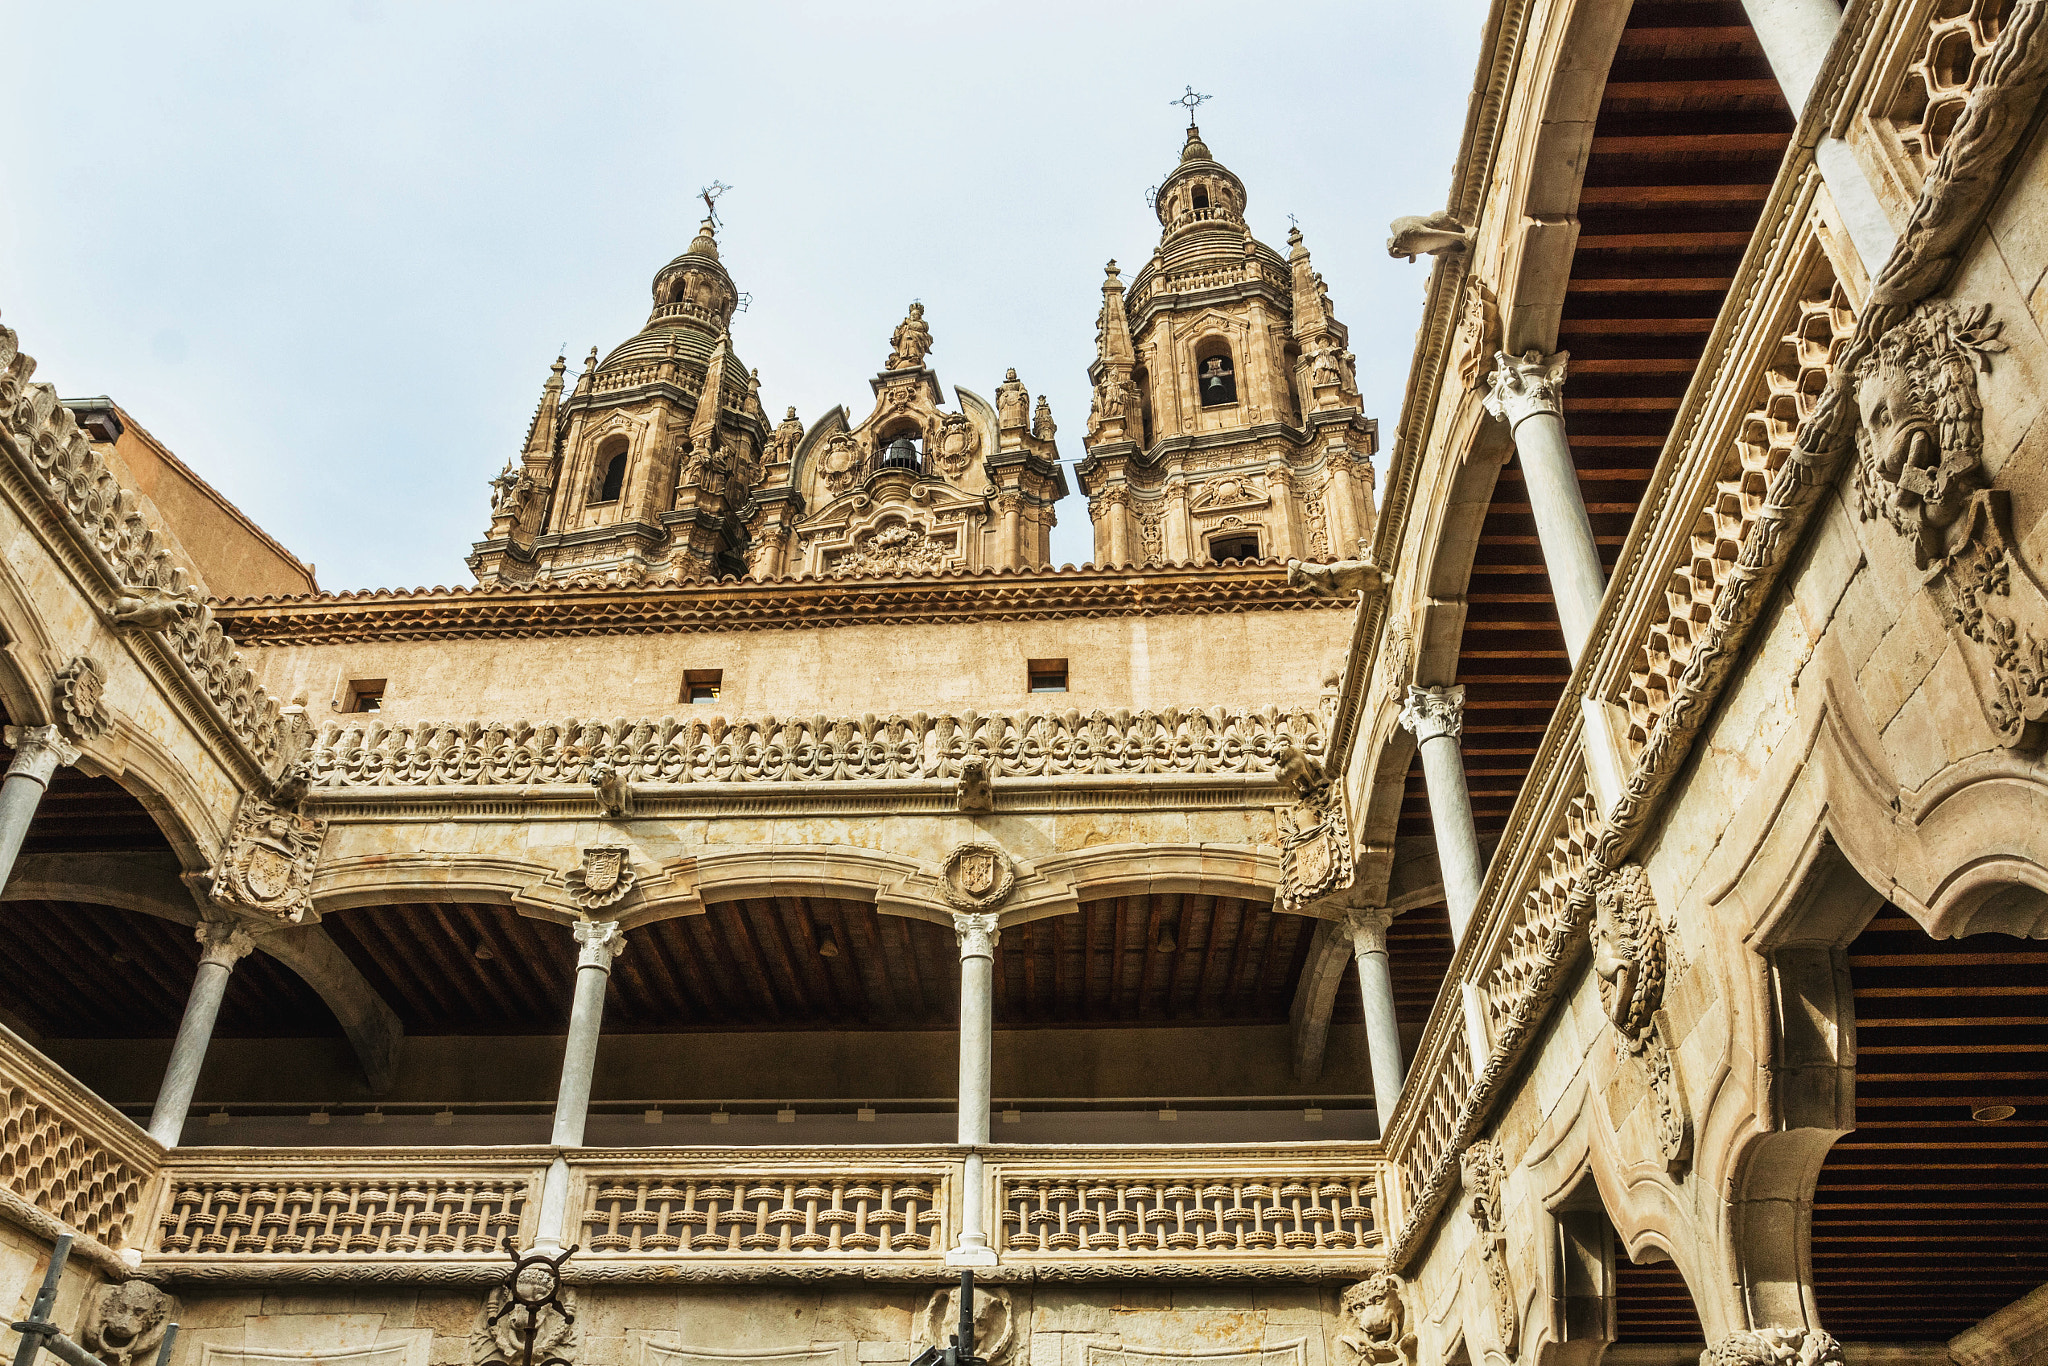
1376	1322
82	699
266	866
977	933
39	751
1526	386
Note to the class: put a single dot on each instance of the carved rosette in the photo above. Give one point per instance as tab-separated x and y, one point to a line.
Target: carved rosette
605	877
1629	962
1775	1347
266	867
1526	386
82	699
1481	1168
1376	1322
976	876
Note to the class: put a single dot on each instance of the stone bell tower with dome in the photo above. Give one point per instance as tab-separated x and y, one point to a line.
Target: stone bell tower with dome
639	473
1226	422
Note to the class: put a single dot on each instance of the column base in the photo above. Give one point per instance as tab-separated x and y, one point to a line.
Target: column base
967	1255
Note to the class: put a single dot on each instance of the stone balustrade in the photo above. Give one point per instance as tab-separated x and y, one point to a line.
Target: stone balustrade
1181	1211
68	1160
737	1209
430	754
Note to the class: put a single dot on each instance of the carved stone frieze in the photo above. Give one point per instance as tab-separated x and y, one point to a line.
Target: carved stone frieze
82	699
605	876
1376	1322
1315	842
1481	1170
995	1322
266	866
127	1322
894	550
976	876
1775	1347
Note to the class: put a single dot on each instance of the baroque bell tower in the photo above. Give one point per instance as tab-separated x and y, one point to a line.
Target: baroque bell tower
1226	422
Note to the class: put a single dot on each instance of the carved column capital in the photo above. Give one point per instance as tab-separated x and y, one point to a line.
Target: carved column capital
39	751
1431	713
1367	926
226	942
599	942
1524	386
977	933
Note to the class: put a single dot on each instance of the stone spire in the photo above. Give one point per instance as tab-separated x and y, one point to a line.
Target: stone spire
540	437
1326	377
1112	326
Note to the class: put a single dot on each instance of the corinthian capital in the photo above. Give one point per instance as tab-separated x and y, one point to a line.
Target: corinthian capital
225	942
1525	385
39	751
1433	712
598	942
977	933
1367	926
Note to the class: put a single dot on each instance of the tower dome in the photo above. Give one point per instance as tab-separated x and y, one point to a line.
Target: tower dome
1200	196
694	300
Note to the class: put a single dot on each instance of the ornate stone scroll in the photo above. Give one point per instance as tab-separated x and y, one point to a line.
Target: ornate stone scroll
266	867
1629	962
1481	1169
127	1323
1315	844
82	699
1376	1319
1774	1347
1920	468
605	877
976	876
995	1322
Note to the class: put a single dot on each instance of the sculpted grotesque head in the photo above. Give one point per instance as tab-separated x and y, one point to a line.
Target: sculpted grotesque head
1628	948
1374	1307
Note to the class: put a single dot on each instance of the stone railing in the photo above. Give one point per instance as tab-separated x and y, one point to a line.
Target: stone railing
1947	61
107	522
1183	1211
1191	742
441	1215
68	1160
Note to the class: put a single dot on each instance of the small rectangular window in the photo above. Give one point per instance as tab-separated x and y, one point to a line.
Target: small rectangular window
364	694
702	685
1047	675
1243	548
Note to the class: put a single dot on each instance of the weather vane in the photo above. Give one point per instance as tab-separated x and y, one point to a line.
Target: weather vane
1151	196
1292	221
711	194
1190	102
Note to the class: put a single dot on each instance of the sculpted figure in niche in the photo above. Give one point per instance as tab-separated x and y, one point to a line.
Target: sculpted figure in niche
1377	1321
910	343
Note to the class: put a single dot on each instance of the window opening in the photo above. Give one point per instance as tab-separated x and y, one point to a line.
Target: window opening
614	480
1047	675
1201	196
702	685
1216	378
1243	547
364	694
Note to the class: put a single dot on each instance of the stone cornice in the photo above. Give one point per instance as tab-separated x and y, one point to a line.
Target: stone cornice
752	605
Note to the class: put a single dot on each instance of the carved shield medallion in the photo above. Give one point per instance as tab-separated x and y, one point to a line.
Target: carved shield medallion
268	872
977	876
601	869
605	877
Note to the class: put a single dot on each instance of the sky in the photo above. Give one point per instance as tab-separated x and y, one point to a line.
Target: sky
326	252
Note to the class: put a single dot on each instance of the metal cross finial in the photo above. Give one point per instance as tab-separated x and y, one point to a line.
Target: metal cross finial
711	194
1292	221
1190	102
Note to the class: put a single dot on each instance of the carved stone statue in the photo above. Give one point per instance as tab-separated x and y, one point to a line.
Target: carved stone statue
614	793
1428	235
127	1323
1013	404
782	444
1329	580
1377	1322
1041	421
910	343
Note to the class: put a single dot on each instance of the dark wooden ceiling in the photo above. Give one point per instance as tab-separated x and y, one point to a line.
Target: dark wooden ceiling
1925	1219
1652	1303
81	971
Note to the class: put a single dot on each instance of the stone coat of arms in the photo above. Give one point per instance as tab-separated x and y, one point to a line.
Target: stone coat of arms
977	876
267	864
605	877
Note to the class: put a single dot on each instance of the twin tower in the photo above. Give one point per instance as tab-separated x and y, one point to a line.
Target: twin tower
1225	425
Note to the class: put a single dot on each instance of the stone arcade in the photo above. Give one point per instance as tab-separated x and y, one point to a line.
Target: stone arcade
1578	905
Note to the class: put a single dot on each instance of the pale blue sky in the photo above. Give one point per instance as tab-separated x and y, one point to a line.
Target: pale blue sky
326	251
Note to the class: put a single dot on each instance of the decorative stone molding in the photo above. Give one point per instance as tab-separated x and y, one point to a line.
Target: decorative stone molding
1315	844
127	1322
82	699
598	942
976	876
995	1322
434	754
1376	1320
1775	1347
266	866
1434	713
1481	1169
39	751
605	876
224	942
1526	386
499	1336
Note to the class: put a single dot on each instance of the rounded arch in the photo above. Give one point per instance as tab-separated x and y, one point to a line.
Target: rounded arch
1216	371
608	468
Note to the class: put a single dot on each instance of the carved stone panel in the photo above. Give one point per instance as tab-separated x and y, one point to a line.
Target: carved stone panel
995	1322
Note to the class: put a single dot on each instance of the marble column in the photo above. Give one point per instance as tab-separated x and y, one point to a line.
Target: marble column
39	751
1368	930
599	941
977	934
1436	717
222	944
1795	36
1525	392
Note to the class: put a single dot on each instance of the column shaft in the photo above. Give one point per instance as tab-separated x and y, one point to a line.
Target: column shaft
222	945
1570	557
1382	1030
601	941
1450	815
977	934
